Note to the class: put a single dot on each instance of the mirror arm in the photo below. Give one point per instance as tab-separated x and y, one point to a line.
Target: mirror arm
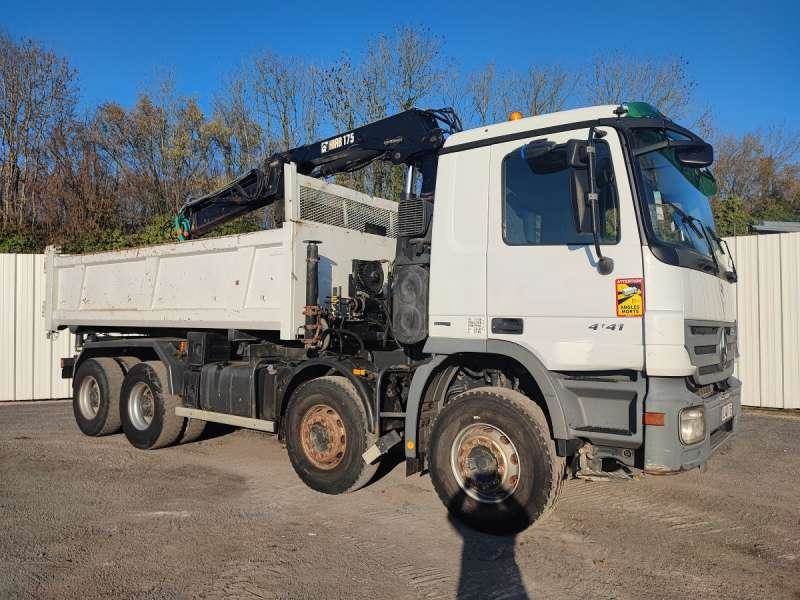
604	264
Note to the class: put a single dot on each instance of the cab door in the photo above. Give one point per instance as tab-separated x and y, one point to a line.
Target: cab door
544	291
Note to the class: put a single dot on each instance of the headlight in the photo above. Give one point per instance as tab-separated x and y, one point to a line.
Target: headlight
693	425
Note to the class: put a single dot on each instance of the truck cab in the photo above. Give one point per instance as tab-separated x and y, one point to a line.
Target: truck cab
640	357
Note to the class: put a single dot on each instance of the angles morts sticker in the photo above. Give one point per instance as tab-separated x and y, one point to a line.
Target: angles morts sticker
630	297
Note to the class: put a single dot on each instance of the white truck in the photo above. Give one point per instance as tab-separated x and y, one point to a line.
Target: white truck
548	298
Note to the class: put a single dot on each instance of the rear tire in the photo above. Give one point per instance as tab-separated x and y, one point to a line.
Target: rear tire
147	408
326	434
95	398
193	430
492	461
127	362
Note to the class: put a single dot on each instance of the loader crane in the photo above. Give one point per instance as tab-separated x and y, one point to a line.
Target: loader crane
410	138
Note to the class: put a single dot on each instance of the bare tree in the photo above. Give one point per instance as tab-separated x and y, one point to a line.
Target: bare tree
538	89
80	197
614	78
481	89
342	105
161	150
417	66
234	126
287	93
397	72
542	89
37	98
341	96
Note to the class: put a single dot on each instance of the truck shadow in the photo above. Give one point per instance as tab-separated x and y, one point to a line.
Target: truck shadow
488	566
388	463
214	430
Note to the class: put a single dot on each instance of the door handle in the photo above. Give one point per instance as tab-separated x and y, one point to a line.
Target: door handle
506	325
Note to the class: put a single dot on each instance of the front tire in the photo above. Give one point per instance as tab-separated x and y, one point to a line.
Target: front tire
326	434
95	398
492	461
147	408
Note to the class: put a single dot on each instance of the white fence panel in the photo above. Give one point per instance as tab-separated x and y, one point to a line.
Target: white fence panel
790	296
768	314
29	362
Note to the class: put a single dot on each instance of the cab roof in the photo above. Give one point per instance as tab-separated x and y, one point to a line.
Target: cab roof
556	119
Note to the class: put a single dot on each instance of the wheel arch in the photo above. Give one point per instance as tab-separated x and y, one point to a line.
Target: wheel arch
313	369
163	349
430	380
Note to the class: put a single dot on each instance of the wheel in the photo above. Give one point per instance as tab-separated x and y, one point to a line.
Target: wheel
492	461
147	408
95	398
192	431
193	428
326	434
127	362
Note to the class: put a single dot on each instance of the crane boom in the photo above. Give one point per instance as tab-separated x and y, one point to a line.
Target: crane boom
412	137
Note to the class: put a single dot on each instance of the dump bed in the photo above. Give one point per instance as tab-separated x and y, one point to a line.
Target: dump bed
250	281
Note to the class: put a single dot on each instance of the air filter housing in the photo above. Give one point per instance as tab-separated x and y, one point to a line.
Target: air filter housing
367	277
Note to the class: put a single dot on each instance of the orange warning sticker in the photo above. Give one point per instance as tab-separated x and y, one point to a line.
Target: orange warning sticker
630	297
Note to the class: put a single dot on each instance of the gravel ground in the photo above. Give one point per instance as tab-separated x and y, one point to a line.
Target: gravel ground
227	517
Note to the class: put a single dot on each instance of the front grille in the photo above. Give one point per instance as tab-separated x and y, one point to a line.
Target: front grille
712	349
703	330
705	349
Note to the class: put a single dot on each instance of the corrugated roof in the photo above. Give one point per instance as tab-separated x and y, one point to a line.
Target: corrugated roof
776	226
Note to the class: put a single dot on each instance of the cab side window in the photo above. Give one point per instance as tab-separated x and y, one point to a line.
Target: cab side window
538	209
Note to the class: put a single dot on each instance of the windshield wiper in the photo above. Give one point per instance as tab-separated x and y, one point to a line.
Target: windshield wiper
732	276
687	218
701	232
690	220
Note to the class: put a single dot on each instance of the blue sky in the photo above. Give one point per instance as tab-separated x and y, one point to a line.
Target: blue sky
744	56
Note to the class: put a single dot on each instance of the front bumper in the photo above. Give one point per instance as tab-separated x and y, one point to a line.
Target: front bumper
663	450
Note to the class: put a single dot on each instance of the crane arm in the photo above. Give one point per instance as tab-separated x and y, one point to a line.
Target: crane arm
412	137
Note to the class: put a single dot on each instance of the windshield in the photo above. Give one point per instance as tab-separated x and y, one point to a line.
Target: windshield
677	196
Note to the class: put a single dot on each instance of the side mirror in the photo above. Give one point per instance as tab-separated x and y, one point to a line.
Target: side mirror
576	154
545	157
695	155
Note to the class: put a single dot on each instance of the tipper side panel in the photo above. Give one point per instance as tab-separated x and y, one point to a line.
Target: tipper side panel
249	281
229	282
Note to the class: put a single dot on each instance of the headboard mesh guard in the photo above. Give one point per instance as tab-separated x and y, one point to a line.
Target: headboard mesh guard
332	209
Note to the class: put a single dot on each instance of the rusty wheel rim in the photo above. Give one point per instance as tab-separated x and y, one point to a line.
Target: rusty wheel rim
323	437
485	463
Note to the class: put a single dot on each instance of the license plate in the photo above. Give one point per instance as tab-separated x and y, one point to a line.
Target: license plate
727	412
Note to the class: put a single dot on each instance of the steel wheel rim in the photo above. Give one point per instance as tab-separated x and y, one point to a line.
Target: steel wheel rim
141	406
323	437
485	463
89	397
